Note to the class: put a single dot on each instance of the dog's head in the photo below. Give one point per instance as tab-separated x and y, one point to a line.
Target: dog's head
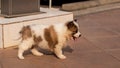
73	27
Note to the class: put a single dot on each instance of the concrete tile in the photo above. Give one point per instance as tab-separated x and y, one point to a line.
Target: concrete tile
102	18
107	43
115	53
1	65
30	63
107	1
10	60
81	45
1	50
96	32
80	5
115	29
87	21
92	60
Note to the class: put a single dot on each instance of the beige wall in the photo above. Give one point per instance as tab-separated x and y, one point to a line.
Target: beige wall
1	41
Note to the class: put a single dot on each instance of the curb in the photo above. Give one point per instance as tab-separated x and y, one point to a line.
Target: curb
96	9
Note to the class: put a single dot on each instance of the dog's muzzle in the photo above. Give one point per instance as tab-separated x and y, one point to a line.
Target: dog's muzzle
76	36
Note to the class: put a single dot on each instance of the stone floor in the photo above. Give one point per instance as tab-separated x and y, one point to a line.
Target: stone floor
99	46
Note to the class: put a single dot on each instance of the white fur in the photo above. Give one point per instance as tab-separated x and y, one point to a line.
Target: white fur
38	30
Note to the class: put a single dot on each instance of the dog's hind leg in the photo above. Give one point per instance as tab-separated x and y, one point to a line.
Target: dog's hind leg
25	45
36	52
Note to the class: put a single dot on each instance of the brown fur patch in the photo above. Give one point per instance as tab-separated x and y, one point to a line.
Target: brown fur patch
72	27
37	39
51	37
26	32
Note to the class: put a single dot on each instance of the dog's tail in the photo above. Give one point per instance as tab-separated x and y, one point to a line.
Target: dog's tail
19	38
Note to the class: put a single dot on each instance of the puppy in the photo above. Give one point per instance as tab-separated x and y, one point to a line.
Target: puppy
51	37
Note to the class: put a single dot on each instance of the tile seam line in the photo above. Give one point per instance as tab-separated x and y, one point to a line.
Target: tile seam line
106	52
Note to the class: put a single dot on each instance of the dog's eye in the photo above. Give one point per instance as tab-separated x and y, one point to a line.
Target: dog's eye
74	32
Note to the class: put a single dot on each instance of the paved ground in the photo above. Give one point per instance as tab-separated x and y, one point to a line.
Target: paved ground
99	46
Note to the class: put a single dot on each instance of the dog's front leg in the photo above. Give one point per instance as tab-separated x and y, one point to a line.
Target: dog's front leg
20	53
58	52
25	45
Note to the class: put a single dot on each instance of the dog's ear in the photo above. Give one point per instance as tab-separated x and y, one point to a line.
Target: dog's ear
70	24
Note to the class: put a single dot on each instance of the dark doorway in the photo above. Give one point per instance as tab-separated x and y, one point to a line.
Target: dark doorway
59	2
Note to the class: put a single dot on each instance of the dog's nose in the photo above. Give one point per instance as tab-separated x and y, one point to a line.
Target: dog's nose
80	35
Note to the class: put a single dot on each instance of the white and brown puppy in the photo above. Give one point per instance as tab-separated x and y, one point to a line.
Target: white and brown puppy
51	37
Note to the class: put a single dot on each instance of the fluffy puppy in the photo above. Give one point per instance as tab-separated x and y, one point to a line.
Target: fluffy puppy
51	37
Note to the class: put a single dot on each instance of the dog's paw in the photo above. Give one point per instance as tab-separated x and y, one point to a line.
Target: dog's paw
21	57
62	57
38	54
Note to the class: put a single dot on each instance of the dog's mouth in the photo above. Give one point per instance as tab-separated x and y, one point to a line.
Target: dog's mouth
74	38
